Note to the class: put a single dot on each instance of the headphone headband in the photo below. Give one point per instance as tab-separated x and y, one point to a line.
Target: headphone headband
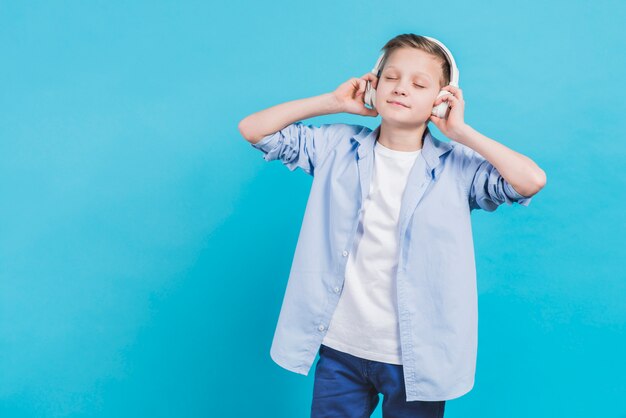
454	71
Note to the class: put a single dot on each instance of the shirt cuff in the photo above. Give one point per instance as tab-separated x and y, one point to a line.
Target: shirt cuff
267	144
514	195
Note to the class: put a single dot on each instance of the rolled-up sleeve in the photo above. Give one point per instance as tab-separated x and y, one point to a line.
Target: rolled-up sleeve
298	145
487	188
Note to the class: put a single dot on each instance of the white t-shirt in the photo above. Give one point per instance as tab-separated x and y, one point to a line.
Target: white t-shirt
365	322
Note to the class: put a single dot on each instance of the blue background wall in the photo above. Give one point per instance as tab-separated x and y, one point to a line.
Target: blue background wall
145	245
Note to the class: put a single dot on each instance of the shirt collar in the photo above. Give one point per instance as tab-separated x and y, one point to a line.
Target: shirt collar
432	148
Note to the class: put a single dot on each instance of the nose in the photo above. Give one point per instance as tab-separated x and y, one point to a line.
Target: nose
399	89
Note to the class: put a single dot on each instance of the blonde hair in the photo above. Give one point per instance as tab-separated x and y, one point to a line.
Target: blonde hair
410	40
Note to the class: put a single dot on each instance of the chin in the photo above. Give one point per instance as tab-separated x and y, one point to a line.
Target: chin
403	122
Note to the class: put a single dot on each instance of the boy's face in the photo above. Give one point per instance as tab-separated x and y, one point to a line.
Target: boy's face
411	76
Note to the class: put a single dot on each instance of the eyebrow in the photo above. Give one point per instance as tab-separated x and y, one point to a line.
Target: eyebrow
416	73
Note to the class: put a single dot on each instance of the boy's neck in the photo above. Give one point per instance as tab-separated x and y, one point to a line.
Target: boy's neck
401	139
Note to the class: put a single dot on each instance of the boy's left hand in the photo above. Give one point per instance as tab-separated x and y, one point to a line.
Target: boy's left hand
454	125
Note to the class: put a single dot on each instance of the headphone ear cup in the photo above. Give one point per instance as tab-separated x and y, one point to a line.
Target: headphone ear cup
442	108
370	95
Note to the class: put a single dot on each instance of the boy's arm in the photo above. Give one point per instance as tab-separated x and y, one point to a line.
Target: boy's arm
522	173
497	174
348	97
270	120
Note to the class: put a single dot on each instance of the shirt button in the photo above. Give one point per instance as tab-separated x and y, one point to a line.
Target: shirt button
321	327
345	253
336	290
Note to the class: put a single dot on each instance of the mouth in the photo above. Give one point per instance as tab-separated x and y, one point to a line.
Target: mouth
399	104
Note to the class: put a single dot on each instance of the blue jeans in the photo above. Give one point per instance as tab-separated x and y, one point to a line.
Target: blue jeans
347	386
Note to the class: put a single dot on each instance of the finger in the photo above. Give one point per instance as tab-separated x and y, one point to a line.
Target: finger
452	100
441	99
371	77
354	83
362	85
356	86
457	91
435	119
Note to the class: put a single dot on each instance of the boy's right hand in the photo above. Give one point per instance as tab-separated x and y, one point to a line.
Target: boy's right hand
350	95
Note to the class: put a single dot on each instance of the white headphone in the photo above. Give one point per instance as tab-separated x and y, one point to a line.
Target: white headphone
441	109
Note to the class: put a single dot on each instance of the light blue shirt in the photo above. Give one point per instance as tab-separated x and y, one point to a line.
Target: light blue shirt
436	274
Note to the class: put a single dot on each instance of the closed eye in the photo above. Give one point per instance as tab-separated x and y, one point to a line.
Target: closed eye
417	85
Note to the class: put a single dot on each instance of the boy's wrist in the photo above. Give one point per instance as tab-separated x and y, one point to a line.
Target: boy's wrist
331	103
466	133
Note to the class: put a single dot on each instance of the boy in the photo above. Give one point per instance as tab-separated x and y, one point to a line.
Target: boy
383	281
